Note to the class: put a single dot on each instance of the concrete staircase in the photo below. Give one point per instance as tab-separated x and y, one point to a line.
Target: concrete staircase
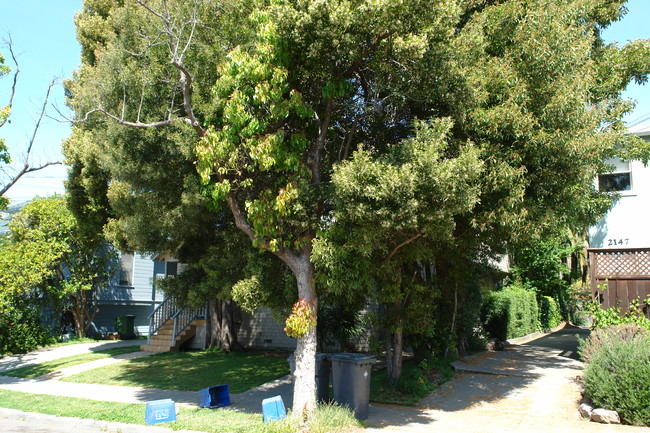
161	340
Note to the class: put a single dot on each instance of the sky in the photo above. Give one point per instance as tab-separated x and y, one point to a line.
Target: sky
43	37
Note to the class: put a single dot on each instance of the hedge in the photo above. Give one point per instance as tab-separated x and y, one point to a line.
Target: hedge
510	313
549	313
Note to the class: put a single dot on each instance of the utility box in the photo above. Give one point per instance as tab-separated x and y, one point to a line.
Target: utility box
351	381
214	397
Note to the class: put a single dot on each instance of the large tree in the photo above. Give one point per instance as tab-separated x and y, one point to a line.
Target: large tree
46	254
276	95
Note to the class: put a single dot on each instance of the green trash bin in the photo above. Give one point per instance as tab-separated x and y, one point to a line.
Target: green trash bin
351	381
124	325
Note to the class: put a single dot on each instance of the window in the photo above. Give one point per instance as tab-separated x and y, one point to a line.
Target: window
619	179
172	269
126	269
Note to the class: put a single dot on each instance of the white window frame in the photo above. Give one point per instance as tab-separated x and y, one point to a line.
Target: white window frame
132	271
620	167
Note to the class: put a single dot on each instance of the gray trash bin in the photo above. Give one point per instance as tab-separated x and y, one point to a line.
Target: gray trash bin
322	375
351	381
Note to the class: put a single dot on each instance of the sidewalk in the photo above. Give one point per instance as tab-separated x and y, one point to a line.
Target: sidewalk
249	401
51	353
529	387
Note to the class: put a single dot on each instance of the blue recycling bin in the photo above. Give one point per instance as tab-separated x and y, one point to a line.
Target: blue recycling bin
214	397
158	411
273	409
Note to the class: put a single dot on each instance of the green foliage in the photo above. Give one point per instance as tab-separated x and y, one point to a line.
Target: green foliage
600	337
616	378
417	381
301	319
510	313
476	123
45	255
549	313
605	317
338	326
22	328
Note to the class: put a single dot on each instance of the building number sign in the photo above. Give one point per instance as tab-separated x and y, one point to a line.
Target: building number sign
617	242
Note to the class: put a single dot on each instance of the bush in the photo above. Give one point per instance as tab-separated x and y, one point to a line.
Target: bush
509	313
600	337
21	330
617	375
605	317
549	312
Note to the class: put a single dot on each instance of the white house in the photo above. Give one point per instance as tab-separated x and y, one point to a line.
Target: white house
619	245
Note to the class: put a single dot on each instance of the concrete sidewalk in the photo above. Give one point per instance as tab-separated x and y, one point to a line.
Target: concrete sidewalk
51	353
529	387
249	401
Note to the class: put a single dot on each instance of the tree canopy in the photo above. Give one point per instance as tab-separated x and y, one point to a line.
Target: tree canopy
475	123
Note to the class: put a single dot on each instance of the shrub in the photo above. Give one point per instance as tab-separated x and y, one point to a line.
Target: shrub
22	330
605	317
549	312
509	313
600	337
617	375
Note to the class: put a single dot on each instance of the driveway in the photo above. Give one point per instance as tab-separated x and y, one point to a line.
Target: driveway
530	387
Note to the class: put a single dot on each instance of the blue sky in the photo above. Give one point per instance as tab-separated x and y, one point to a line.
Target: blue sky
44	38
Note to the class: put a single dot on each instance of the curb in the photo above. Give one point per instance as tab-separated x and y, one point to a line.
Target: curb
69	424
534	336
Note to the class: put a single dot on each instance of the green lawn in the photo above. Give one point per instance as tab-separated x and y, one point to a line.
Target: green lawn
190	371
328	419
57	364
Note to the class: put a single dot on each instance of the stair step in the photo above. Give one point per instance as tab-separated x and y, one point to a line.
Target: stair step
154	349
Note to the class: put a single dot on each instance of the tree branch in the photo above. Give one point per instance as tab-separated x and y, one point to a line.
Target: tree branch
177	62
25	169
316	156
9	44
406	242
126	123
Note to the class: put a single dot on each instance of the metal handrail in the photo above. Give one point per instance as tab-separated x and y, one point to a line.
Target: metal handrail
163	312
183	317
170	309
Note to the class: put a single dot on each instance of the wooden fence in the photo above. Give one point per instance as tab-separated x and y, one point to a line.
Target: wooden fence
619	276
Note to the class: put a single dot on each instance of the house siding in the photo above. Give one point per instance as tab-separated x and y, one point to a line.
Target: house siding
260	329
105	319
619	244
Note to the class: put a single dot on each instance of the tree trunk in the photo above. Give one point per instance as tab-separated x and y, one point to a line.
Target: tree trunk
224	325
304	388
394	349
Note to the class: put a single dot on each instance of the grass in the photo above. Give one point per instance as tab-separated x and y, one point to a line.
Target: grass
33	371
417	382
328	419
190	371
